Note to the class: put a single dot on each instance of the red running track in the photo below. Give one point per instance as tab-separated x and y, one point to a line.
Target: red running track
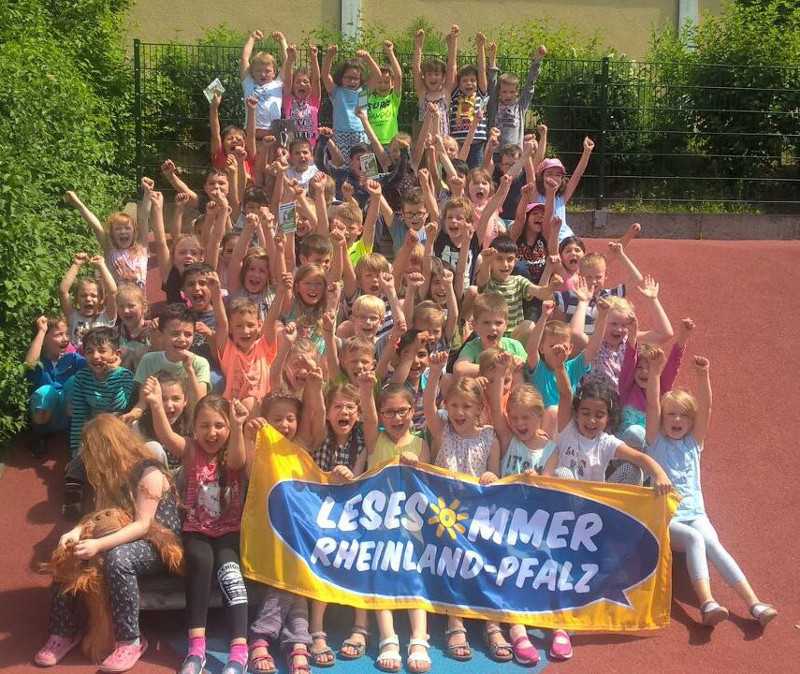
744	298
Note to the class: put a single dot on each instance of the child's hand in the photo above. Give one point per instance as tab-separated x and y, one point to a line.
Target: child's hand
318	181
409	459
541	130
291	52
456	184
701	364
147	184
296	188
347	190
529	147
338	235
492	51
239	413
315	375
447	277
581	290
279	37
686	326
423	176
386	279
361	113
649	288
251	102
658	359
548	307
71	198
559	353
488	255
41	324
419	38
313	51
374	188
362	54
253	426
437	361
398	330
602	306
257	35
453	34
367	381
202	329
661	483
328	322
487	478
414	280
287	283
342	473
555	282
325	130
588	144
431	230
551	184
480	40
288	335
388	47
214	285
168	168
614	248
181	200
80	259
97	261
280	243
528	192
216	99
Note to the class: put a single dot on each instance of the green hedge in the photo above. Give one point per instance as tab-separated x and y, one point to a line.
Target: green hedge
64	124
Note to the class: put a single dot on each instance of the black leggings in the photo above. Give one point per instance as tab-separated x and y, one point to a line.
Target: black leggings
208	557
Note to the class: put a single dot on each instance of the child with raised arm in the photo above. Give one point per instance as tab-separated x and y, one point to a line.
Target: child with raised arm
124	243
677	424
214	463
95	302
50	365
385	89
231	141
345	89
508	107
302	107
395	407
434	80
469	96
261	80
462	445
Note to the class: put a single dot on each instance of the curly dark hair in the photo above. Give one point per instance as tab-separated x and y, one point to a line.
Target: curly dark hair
600	389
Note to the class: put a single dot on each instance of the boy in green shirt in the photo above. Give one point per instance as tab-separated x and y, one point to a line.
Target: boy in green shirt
385	86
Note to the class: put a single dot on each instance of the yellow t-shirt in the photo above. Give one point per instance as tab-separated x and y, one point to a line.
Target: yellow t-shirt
386	449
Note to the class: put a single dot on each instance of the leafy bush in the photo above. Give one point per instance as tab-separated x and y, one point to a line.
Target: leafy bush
65	104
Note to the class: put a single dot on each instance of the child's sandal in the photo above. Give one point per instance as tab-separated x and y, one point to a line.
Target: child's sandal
712	613
266	660
317	657
453	649
499	652
359	649
391	659
418	662
296	652
764	613
561	648
525	653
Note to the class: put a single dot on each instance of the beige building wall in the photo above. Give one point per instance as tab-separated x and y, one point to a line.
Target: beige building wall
625	25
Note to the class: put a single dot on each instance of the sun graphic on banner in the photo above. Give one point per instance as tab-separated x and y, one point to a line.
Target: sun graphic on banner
447	518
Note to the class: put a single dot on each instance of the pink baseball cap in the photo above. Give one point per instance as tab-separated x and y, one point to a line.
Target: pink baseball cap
533	206
551	163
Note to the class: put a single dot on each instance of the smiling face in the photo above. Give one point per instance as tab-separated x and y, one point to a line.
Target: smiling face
130	309
356	362
617	327
311	289
56	340
282	415
262	73
211	430
592	417
415	216
525	421
503	265
256	275
321	259
101	358
187	251
480	189
676	421
88	297
233	139
570	256
301	85
468	84
384	84
245	329
462	412
195	287
369	282
342	414
490	327
366	322
351	78
178	336
455	223
509	93
122	233
642	372
535	221
174	399
395	413
433	80
300	157
419	362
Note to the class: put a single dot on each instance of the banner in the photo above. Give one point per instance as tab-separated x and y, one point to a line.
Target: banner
526	549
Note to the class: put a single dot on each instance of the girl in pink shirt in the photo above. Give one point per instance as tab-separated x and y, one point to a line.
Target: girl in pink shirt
302	107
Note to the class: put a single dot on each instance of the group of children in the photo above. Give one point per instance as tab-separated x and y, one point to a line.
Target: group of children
490	345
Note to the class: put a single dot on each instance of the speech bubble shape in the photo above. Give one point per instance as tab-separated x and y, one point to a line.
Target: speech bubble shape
521	548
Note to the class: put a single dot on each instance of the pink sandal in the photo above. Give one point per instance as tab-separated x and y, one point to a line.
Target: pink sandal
55	650
525	652
561	648
124	657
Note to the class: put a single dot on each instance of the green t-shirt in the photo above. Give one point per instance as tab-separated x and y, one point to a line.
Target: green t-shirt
382	114
357	251
515	290
156	361
473	349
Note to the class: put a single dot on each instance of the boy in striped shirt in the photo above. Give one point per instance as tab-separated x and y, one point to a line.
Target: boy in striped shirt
495	276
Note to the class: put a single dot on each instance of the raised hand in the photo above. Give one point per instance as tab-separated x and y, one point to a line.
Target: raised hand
701	364
649	288
559	353
658	359
548	307
438	361
581	289
251	102
147	184
257	35
41	324
168	168
588	144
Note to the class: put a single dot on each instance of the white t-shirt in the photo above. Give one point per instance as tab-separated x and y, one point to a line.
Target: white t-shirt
270	99
587	458
302	178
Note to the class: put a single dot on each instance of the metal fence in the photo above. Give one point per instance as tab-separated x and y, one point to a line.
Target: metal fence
677	134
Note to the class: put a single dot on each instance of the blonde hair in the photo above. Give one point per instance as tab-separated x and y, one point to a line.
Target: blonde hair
347	213
466	387
242	305
510	79
526	396
490	303
487	359
417	254
620	305
684	400
120	217
459	202
369	303
253	254
128	289
110	452
374	262
266	59
356	345
556	329
592	260
427	311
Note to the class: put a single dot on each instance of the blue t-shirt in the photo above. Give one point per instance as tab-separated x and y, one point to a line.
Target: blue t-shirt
680	460
55	373
544	379
345	101
560	209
